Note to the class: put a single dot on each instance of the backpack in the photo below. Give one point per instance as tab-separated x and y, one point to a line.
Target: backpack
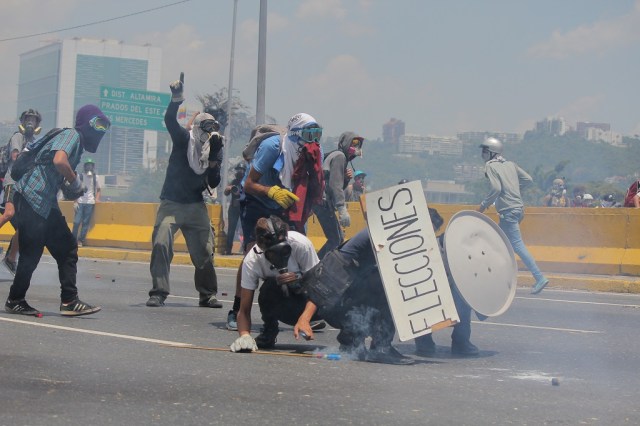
258	134
631	193
26	161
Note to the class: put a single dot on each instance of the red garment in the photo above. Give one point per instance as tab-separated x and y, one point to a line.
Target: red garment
308	184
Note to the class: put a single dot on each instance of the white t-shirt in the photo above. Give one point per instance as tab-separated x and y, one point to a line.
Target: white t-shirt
89	196
255	266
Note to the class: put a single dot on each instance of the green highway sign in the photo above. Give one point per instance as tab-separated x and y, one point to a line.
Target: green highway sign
138	109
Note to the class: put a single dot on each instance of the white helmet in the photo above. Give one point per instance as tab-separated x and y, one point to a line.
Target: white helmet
492	145
587	197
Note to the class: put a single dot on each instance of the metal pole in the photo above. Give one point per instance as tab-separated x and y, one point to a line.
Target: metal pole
262	63
224	169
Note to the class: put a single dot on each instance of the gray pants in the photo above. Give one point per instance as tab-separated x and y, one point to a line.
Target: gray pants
193	220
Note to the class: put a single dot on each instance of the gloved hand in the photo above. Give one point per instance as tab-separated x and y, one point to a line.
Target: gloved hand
177	89
345	219
76	184
281	196
215	145
244	343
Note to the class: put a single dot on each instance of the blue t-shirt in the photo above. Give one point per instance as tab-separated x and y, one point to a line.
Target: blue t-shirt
268	161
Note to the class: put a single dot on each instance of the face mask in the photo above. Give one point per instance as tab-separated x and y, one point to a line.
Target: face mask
486	155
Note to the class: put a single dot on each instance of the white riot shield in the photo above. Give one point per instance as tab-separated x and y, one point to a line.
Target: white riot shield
409	260
481	262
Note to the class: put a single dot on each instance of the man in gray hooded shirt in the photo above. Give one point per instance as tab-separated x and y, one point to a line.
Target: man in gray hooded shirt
336	177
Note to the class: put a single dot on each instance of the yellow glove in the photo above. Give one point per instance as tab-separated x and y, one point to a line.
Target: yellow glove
282	196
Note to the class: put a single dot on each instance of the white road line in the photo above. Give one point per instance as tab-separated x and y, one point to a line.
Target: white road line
98	333
571	330
580	302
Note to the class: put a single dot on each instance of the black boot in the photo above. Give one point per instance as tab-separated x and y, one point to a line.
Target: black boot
425	346
464	348
387	355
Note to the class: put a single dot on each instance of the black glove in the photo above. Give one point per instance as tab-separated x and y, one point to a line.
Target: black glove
177	89
215	145
72	192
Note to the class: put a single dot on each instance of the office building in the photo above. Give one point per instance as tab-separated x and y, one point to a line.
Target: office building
60	77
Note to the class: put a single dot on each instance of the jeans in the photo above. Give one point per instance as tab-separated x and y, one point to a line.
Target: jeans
330	226
82	218
36	233
276	306
510	225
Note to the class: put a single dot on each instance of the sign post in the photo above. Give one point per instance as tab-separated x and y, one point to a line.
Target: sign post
138	109
409	260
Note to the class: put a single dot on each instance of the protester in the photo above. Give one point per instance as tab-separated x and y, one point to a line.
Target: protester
632	198
557	196
346	290
337	176
234	189
357	188
194	165
40	222
27	130
507	179
85	205
461	336
285	179
292	253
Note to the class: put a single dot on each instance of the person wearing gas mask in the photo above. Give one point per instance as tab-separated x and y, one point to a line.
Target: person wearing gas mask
85	205
337	176
285	179
27	130
278	260
507	179
194	165
557	196
234	190
39	219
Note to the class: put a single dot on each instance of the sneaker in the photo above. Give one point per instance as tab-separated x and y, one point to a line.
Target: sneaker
425	346
232	321
388	355
539	286
464	349
268	337
318	325
10	265
211	302
20	307
77	308
155	301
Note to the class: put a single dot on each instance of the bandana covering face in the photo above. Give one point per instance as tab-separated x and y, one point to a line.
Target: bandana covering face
198	149
291	147
90	137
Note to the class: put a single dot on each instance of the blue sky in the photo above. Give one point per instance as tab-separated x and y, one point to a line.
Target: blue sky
442	67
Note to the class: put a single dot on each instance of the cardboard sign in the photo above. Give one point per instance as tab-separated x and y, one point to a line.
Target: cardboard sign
409	259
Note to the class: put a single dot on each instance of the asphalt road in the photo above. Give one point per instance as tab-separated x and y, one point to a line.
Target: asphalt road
124	365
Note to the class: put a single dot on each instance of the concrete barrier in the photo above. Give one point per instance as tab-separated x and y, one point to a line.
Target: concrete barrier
569	240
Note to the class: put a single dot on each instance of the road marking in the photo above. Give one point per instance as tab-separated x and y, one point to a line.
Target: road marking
582	302
99	333
571	330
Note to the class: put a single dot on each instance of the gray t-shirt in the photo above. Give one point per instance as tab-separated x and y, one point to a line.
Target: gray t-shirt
506	179
17	143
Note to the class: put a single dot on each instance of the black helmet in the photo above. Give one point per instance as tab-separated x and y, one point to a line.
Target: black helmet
402	181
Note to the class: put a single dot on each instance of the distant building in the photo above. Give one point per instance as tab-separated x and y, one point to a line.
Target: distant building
582	127
392	131
476	138
446	192
431	145
598	132
466	172
552	126
57	79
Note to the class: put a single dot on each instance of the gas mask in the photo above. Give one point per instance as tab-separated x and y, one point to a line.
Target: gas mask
29	123
204	126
